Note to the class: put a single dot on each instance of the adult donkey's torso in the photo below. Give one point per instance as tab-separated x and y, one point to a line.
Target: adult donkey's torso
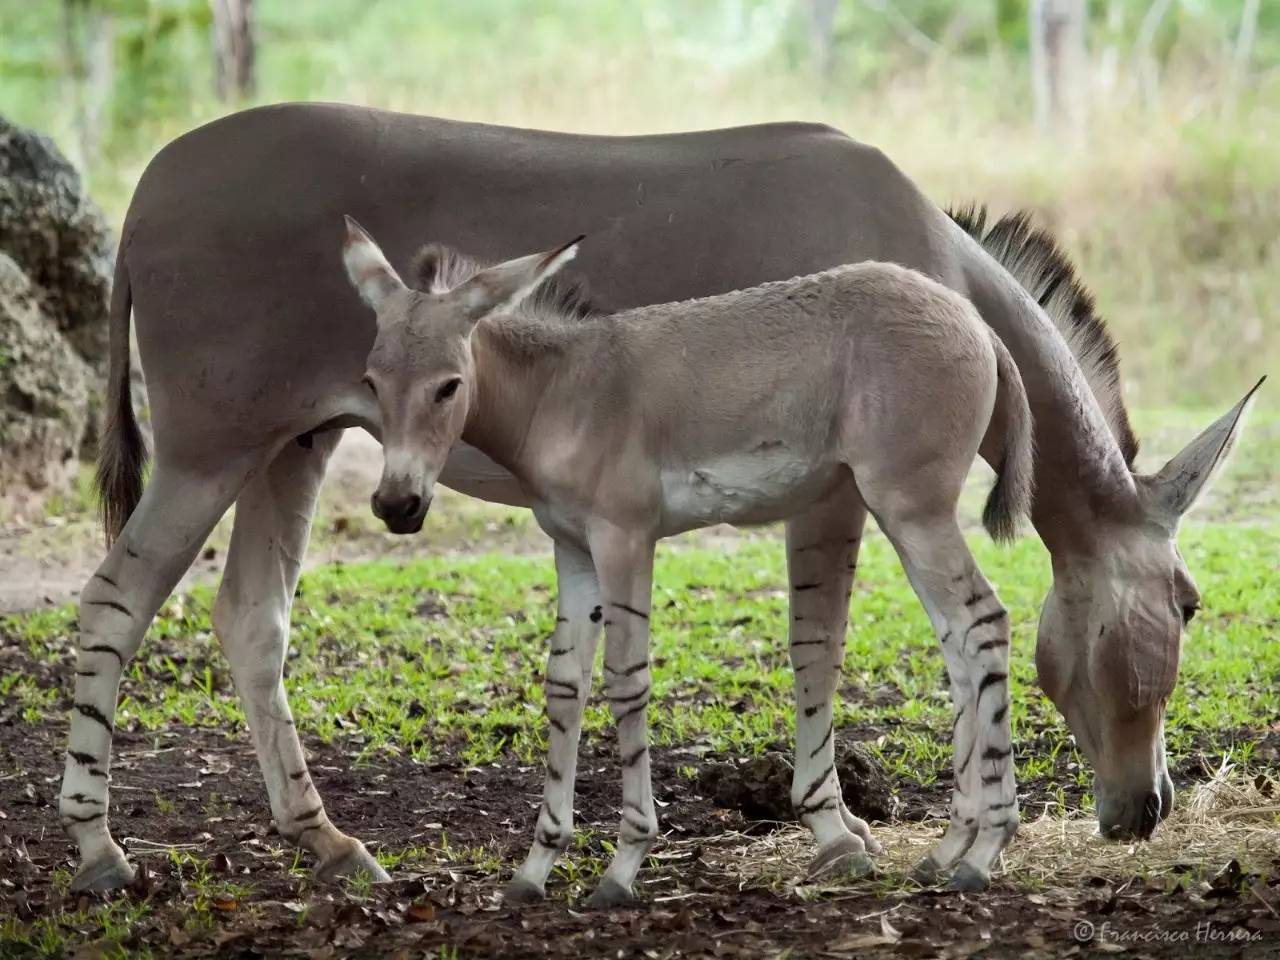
251	336
231	241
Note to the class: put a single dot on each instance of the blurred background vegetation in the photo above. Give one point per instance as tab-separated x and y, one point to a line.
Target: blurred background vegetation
1146	133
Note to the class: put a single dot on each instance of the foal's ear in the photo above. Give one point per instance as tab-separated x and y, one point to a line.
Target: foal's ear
504	285
1174	490
367	268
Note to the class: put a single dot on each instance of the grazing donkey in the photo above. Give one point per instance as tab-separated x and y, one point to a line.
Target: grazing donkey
253	349
815	400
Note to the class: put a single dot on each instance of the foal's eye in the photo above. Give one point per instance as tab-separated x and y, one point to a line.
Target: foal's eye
448	390
1189	612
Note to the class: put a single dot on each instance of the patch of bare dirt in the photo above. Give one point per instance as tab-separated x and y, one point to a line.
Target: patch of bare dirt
197	789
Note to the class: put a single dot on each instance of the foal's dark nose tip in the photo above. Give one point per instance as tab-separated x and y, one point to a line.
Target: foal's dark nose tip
401	508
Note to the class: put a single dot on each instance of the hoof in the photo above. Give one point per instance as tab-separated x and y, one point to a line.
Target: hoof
927	872
845	857
968	879
609	894
354	862
520	890
110	871
859	828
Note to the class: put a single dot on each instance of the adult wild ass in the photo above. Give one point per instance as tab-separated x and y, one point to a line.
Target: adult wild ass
867	388
250	340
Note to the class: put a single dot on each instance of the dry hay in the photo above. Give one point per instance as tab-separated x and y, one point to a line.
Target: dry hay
1233	816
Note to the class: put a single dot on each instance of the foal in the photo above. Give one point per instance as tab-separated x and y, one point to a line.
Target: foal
867	388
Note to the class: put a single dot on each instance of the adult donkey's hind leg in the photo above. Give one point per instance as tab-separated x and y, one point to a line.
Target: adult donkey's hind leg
157	545
251	618
822	555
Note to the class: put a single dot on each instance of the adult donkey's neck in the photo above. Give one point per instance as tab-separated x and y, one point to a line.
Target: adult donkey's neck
1082	479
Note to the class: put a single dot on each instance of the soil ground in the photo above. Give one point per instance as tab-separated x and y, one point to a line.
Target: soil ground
216	879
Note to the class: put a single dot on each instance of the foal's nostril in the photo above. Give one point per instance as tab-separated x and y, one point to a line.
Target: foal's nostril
410	506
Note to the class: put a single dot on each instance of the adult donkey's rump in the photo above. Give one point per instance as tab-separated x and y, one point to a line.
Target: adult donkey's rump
250	340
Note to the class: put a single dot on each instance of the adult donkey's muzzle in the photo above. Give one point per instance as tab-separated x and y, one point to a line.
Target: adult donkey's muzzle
1135	816
402	513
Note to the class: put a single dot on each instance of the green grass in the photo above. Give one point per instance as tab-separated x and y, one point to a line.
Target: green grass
434	651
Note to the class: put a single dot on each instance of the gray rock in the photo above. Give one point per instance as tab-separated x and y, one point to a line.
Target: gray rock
43	392
58	236
56	258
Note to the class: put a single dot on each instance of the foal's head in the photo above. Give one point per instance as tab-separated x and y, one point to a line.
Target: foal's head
421	367
1111	634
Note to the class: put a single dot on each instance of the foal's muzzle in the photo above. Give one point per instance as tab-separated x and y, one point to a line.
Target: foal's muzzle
401	514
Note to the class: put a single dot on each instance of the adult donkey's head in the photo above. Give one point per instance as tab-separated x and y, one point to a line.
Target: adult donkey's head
421	367
1110	635
1111	628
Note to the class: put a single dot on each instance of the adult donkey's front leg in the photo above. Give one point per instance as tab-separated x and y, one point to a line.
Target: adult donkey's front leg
568	684
624	568
822	554
251	618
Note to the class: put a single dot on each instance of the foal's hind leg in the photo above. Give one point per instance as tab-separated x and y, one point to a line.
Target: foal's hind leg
822	554
251	618
157	545
973	629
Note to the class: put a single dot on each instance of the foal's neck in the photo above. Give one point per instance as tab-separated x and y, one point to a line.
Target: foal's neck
515	362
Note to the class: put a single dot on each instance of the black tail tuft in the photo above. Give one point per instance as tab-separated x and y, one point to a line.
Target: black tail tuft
122	453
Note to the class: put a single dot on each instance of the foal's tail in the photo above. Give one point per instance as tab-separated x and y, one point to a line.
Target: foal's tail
122	453
1010	498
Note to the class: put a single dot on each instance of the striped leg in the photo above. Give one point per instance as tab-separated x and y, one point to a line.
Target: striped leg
568	684
822	553
169	526
624	568
973	629
251	618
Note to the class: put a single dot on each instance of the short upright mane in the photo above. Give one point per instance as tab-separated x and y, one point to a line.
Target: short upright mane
438	268
1036	261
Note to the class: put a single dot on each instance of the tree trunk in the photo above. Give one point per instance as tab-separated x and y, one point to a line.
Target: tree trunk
1244	47
1058	74
820	18
1148	65
88	47
234	50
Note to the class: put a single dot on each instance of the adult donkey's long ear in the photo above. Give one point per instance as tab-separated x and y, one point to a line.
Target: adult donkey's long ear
1174	490
504	285
368	269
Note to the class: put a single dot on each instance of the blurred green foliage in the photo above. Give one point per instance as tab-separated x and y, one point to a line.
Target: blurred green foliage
1170	200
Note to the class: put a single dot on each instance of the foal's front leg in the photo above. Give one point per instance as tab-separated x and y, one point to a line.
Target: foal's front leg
568	683
624	567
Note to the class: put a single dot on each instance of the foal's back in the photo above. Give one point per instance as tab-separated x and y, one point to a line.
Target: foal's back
803	357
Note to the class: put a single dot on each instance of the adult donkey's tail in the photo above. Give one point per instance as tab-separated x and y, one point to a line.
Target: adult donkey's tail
1010	498
122	453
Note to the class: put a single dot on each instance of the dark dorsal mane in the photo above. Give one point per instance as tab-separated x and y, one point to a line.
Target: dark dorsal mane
438	268
1037	262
